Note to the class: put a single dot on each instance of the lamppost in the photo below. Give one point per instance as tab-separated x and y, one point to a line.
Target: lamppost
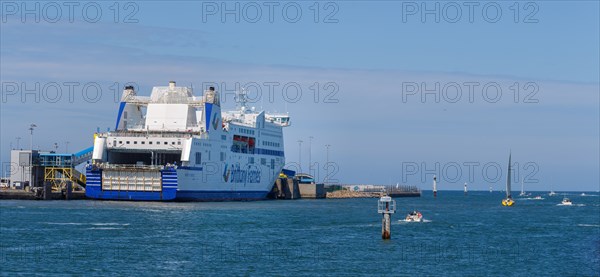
327	164
31	127
31	137
300	155
66	147
56	147
18	139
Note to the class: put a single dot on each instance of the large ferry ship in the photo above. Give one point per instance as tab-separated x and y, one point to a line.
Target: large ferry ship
177	146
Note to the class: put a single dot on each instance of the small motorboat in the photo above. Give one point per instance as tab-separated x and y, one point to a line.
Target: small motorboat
566	202
583	194
539	197
414	216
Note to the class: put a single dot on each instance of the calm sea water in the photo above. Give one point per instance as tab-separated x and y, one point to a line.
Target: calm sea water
466	235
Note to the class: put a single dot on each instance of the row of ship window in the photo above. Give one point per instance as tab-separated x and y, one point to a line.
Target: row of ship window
270	143
244	131
265	143
263	161
150	142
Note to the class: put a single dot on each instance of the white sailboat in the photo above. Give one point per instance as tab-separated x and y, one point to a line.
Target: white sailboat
522	190
434	186
552	193
508	201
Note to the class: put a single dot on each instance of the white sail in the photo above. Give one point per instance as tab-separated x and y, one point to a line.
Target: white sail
508	190
522	191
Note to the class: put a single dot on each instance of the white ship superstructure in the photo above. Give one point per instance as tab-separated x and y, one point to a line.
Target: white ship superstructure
174	145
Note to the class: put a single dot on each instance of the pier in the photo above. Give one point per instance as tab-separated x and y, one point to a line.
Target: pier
19	194
372	191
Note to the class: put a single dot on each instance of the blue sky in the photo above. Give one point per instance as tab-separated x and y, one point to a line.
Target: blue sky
364	64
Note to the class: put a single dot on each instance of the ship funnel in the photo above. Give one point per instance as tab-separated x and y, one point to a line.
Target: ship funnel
172	85
211	96
128	93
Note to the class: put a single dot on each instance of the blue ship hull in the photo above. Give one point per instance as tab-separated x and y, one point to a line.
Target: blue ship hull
169	191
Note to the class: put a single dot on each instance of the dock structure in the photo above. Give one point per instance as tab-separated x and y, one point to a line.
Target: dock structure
296	186
46	175
59	169
286	188
311	190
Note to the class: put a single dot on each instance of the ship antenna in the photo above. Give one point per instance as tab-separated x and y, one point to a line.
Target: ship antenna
241	97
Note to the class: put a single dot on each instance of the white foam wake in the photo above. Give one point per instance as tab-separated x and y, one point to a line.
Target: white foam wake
93	224
410	221
588	225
